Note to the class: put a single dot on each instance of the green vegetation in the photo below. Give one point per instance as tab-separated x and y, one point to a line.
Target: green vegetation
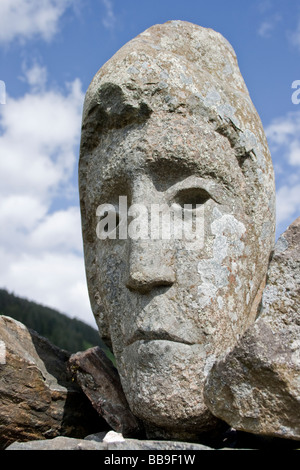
67	333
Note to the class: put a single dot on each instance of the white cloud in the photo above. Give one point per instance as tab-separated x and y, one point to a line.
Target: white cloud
41	248
284	139
109	19
294	36
52	279
288	204
58	232
39	135
19	214
267	26
294	154
284	134
36	77
26	18
2	92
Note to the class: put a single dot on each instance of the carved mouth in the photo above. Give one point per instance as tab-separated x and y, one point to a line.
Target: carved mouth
159	335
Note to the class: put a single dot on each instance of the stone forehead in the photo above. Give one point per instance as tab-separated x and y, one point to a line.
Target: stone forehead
177	52
177	68
167	136
174	65
169	148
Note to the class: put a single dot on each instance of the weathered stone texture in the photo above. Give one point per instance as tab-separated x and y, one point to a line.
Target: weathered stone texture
38	399
64	443
99	380
256	388
168	120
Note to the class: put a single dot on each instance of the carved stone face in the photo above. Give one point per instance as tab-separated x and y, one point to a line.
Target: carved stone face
170	307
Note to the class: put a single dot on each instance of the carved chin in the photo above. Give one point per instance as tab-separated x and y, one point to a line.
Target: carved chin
163	383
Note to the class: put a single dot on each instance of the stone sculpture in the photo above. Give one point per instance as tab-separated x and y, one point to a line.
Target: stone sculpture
168	121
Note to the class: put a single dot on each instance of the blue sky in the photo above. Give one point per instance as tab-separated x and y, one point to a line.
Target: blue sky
49	52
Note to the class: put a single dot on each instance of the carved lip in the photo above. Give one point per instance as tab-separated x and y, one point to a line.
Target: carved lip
159	335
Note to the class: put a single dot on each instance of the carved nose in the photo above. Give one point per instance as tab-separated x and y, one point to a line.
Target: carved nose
150	265
144	280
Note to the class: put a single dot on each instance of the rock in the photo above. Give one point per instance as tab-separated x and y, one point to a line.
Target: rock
64	443
256	387
38	399
135	444
168	121
111	441
58	443
99	380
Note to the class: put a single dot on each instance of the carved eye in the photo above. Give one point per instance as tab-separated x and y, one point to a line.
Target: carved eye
192	196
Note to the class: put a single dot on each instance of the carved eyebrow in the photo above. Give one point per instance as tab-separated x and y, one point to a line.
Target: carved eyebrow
169	170
107	109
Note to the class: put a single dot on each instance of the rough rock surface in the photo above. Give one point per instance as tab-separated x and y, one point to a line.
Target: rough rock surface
38	399
64	443
256	388
169	120
99	380
232	440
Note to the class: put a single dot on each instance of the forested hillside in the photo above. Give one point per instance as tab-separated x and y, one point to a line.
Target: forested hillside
67	333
